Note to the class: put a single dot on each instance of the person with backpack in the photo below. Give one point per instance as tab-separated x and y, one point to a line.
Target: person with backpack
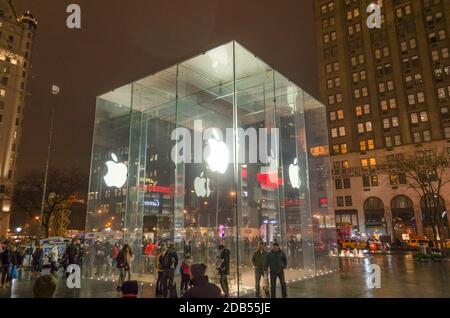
38	259
169	261
223	268
123	262
185	270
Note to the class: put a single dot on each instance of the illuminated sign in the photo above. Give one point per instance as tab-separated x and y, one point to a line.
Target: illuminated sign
154	202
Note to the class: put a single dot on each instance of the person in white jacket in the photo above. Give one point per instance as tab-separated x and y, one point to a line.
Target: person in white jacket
54	258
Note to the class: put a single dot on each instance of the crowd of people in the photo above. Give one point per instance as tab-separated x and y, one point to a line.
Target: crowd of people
104	258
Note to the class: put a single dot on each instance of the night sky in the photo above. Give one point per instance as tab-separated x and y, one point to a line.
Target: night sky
121	41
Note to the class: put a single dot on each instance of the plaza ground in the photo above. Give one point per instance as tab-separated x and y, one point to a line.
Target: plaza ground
401	276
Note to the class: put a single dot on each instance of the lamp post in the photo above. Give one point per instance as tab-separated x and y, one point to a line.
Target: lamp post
54	92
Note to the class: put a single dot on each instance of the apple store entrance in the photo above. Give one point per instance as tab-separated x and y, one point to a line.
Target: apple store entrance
217	150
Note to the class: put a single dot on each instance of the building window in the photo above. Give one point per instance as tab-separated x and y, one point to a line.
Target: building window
338	184
393	179
370	144
374	181
447	132
348	201
426	135
340	201
346	182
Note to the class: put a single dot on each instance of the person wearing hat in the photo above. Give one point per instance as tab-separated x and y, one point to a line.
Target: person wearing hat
130	289
276	263
201	288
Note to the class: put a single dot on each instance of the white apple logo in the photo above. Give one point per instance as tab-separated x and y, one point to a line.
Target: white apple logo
201	186
294	174
117	173
216	154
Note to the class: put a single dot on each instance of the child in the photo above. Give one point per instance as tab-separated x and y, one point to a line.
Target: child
185	270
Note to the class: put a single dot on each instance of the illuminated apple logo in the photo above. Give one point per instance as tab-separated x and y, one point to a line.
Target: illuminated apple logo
216	154
294	174
117	173
201	186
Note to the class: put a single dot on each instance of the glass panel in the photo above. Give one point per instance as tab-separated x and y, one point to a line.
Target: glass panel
108	180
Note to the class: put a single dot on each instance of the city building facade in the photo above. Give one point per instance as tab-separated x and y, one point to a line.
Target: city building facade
16	42
387	93
219	149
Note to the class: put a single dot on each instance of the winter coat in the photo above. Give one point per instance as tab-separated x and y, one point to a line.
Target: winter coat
276	261
259	260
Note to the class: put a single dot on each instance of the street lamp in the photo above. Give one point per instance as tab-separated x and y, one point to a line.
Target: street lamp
54	92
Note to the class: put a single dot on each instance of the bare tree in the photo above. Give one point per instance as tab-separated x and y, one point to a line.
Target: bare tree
61	185
427	175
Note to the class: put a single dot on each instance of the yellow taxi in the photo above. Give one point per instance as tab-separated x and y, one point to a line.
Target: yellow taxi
415	243
353	243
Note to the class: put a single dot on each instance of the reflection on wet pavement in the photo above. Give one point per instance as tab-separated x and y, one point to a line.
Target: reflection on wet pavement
401	276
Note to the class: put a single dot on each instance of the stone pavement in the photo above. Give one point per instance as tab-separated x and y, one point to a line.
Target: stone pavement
401	276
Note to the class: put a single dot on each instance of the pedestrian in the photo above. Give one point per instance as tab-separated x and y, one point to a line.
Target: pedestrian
276	263
114	253
259	262
54	258
107	248
38	259
124	260
159	270
130	289
223	268
18	262
188	248
90	257
185	270
44	287
99	257
168	261
72	252
201	287
6	262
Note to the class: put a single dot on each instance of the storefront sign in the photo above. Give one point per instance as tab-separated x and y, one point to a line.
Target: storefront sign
154	202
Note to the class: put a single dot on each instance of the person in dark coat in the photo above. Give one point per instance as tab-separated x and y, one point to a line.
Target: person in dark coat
276	263
224	269
5	258
201	288
38	260
259	262
168	261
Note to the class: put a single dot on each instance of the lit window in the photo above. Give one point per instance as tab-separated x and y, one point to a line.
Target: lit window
368	126
423	117
414	118
395	122
360	128
370	144
2	93
386	123
426	135
340	114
